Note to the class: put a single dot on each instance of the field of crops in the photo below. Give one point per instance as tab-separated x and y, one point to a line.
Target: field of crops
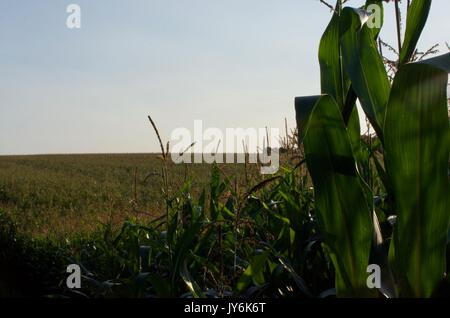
62	209
345	216
61	195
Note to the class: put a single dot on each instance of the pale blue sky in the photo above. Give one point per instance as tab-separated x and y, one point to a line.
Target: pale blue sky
233	63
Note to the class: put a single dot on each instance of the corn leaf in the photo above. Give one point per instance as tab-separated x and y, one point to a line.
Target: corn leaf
416	19
255	269
303	108
331	74
364	67
342	209
417	151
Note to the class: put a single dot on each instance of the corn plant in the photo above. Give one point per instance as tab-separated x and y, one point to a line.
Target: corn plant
410	119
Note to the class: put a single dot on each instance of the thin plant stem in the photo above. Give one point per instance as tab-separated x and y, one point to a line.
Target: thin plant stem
399	32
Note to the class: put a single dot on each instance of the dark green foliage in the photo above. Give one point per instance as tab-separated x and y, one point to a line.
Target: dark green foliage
209	247
410	155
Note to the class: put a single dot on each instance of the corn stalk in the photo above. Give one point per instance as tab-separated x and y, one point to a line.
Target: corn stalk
410	119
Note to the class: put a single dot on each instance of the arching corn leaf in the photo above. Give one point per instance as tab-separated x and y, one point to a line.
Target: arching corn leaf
342	208
417	150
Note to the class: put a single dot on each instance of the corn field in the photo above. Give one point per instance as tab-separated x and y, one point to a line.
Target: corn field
341	203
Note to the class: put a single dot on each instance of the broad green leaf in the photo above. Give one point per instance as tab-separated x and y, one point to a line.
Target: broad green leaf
342	208
334	81
186	242
253	271
416	20
417	149
331	75
364	66
303	109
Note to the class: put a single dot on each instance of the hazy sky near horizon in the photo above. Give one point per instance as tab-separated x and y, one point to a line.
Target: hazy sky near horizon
234	63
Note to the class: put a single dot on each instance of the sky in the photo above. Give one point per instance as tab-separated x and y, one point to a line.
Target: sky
233	63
